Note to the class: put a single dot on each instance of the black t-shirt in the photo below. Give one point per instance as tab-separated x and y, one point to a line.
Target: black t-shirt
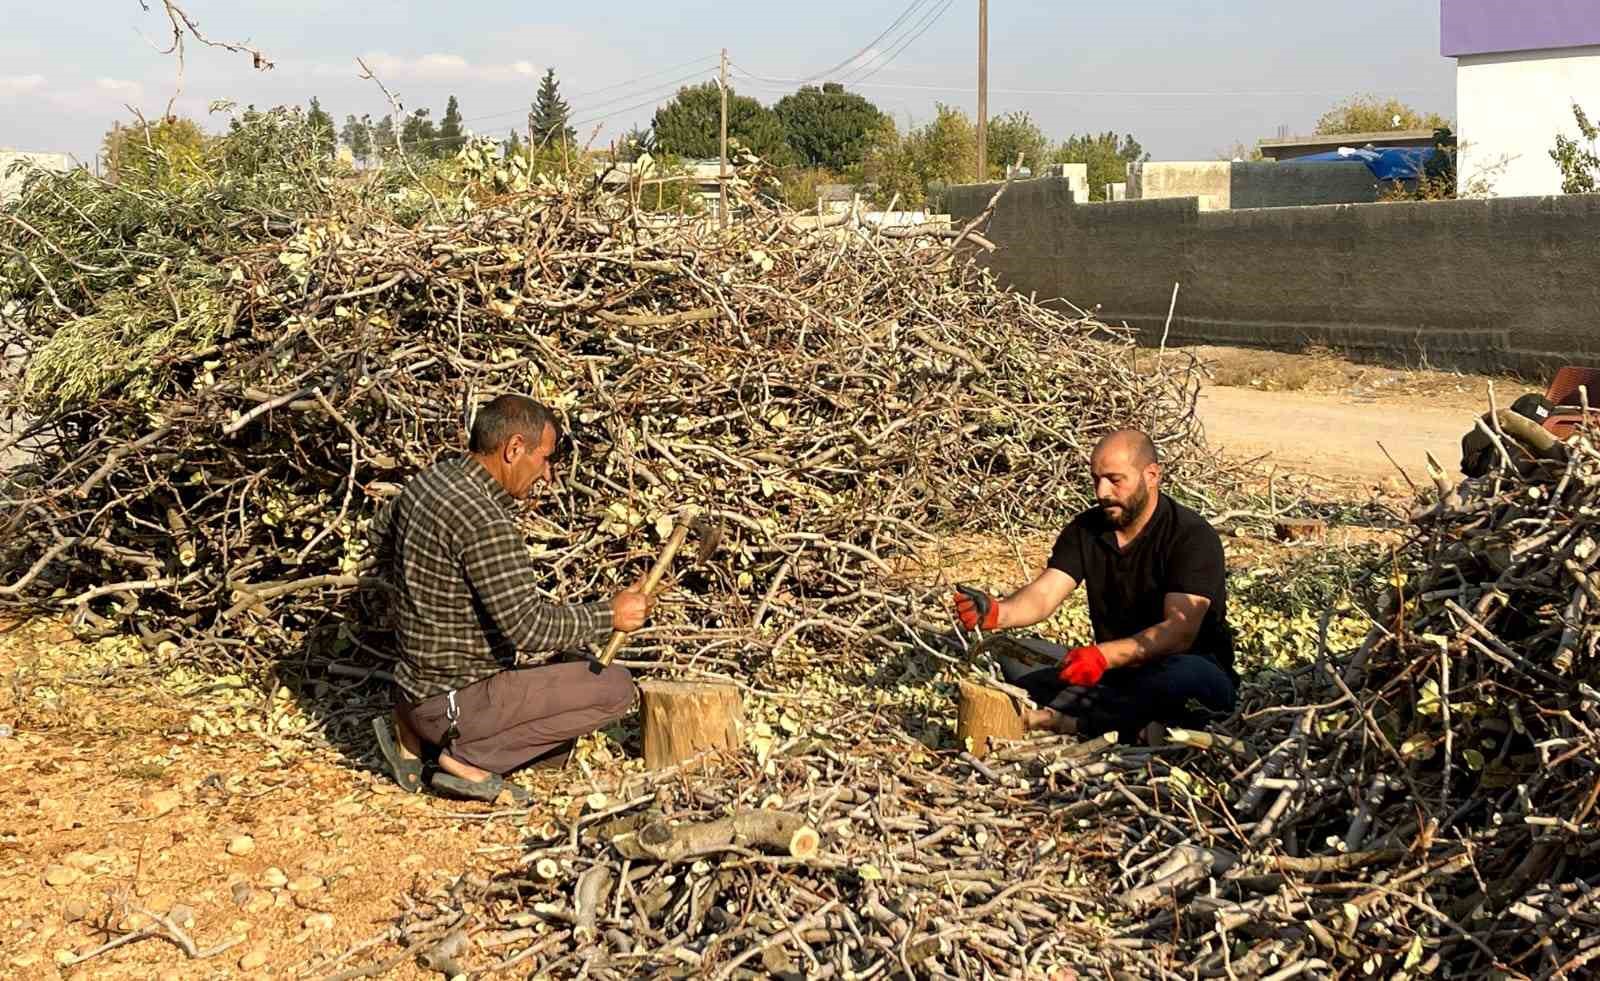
1177	552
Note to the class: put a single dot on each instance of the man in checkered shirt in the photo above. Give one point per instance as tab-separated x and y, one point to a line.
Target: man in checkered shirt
480	677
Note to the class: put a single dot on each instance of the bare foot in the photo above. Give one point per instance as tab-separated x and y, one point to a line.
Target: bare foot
410	742
465	771
1048	720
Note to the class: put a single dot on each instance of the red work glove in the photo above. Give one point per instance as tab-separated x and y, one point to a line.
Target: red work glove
1083	667
976	609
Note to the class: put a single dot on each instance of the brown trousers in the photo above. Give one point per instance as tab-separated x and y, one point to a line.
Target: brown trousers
519	715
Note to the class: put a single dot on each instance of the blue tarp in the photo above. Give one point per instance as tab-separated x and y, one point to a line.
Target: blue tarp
1396	164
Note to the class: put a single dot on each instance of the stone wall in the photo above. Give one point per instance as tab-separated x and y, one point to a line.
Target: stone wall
1500	284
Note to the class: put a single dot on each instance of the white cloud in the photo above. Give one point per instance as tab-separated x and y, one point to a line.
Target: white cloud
14	85
105	95
434	67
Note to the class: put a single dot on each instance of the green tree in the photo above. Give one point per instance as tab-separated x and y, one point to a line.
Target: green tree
357	135
1579	163
688	125
322	128
551	114
634	143
1106	155
513	143
1371	114
452	137
418	136
162	154
828	127
1015	135
384	141
916	165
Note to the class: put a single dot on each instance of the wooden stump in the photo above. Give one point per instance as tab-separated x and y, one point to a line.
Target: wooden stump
683	719
986	714
1300	529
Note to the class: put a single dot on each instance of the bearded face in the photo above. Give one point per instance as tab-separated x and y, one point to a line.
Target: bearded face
1122	506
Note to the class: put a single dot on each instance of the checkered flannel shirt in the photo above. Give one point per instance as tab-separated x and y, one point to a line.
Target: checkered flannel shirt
463	597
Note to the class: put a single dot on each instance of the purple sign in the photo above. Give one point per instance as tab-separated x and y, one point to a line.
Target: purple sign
1469	27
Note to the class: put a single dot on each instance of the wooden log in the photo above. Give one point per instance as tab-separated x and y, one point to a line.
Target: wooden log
987	714
683	719
771	831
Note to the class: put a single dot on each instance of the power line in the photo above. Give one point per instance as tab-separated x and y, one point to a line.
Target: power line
872	44
768	82
926	23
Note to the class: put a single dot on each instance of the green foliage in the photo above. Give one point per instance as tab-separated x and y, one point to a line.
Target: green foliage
636	142
801	185
384	139
357	135
321	127
1106	155
128	342
551	114
164	154
915	166
1276	610
513	143
688	126
419	136
1370	114
1578	159
1012	136
661	184
104	245
451	135
828	127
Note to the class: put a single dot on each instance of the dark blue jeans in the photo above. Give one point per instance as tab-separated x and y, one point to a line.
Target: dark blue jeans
1184	690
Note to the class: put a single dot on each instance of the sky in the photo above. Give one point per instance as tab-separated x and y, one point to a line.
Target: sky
1188	79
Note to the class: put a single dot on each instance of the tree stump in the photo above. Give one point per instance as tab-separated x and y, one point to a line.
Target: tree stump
683	719
987	714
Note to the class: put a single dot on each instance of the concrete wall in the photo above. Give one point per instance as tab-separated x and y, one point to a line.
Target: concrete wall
1503	284
11	182
1223	184
1510	108
1286	184
1209	180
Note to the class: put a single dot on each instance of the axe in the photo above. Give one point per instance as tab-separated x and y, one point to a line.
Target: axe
710	538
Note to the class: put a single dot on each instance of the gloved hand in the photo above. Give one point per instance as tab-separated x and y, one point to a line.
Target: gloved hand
1083	666
977	609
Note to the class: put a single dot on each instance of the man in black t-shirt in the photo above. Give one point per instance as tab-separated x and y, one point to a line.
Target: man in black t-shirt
1157	583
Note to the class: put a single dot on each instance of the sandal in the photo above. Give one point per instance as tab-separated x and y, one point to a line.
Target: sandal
407	771
487	791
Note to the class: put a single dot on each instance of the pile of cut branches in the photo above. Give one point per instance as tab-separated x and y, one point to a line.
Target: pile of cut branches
1423	808
216	417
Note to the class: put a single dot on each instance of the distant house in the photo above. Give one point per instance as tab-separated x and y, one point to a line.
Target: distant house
703	174
1519	69
11	182
1294	147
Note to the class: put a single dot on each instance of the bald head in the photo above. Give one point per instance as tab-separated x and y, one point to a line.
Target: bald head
1134	445
1127	477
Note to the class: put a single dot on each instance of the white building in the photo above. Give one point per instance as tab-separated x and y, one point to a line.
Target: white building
10	182
1520	67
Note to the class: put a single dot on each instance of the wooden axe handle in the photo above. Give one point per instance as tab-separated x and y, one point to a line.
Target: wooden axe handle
674	542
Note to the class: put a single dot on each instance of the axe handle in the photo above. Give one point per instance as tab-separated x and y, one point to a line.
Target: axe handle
674	542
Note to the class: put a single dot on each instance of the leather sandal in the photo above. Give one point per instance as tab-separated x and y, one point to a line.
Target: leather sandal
407	771
487	791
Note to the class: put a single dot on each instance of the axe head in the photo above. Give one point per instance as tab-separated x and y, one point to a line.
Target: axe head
710	536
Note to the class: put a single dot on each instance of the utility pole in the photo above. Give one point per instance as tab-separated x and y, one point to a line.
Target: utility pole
722	171
983	90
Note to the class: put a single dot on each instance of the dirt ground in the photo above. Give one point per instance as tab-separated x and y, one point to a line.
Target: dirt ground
203	801
1334	419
